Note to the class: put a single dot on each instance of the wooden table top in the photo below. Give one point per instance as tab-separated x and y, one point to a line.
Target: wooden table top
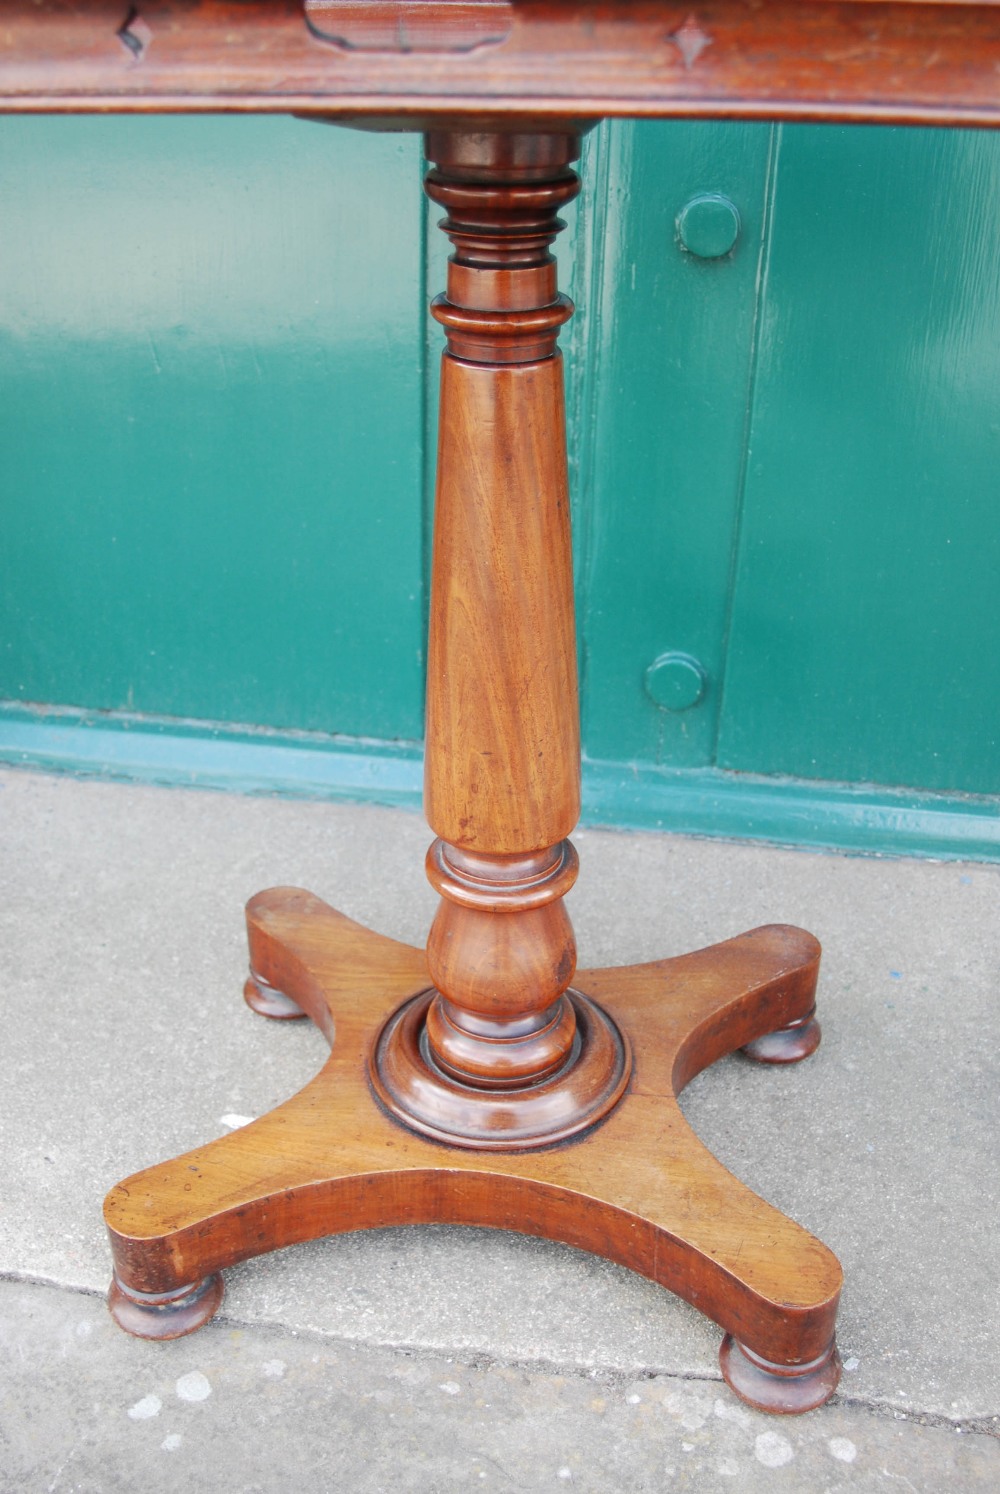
413	63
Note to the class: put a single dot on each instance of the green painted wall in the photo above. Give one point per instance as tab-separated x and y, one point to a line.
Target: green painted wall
212	423
216	442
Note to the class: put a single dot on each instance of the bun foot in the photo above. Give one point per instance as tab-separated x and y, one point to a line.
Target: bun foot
788	1044
164	1314
268	1001
787	1389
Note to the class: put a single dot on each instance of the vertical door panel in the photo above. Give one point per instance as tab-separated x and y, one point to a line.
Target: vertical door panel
210	343
668	352
866	624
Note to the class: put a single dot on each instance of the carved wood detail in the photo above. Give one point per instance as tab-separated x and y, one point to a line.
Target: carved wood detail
899	61
410	25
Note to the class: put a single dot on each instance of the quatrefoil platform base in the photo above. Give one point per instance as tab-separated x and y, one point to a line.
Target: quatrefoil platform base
637	1186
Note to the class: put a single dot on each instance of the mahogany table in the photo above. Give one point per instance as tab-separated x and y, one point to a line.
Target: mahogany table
486	1081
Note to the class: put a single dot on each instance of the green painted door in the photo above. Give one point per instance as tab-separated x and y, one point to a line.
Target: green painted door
865	639
790	495
668	351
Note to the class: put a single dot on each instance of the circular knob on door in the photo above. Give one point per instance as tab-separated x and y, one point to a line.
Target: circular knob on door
709	225
675	681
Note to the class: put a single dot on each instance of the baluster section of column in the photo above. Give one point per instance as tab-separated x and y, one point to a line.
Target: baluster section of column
502	1033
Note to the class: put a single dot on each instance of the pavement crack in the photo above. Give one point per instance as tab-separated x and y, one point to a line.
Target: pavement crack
608	1376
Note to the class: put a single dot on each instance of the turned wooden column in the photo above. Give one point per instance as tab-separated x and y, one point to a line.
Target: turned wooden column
502	786
503	1052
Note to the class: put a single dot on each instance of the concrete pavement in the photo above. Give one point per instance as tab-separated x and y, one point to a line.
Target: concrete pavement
126	1041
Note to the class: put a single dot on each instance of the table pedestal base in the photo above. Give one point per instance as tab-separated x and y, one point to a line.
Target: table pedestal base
638	1187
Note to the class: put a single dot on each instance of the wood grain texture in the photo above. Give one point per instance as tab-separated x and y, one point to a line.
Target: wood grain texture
905	62
502	729
640	1189
503	753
